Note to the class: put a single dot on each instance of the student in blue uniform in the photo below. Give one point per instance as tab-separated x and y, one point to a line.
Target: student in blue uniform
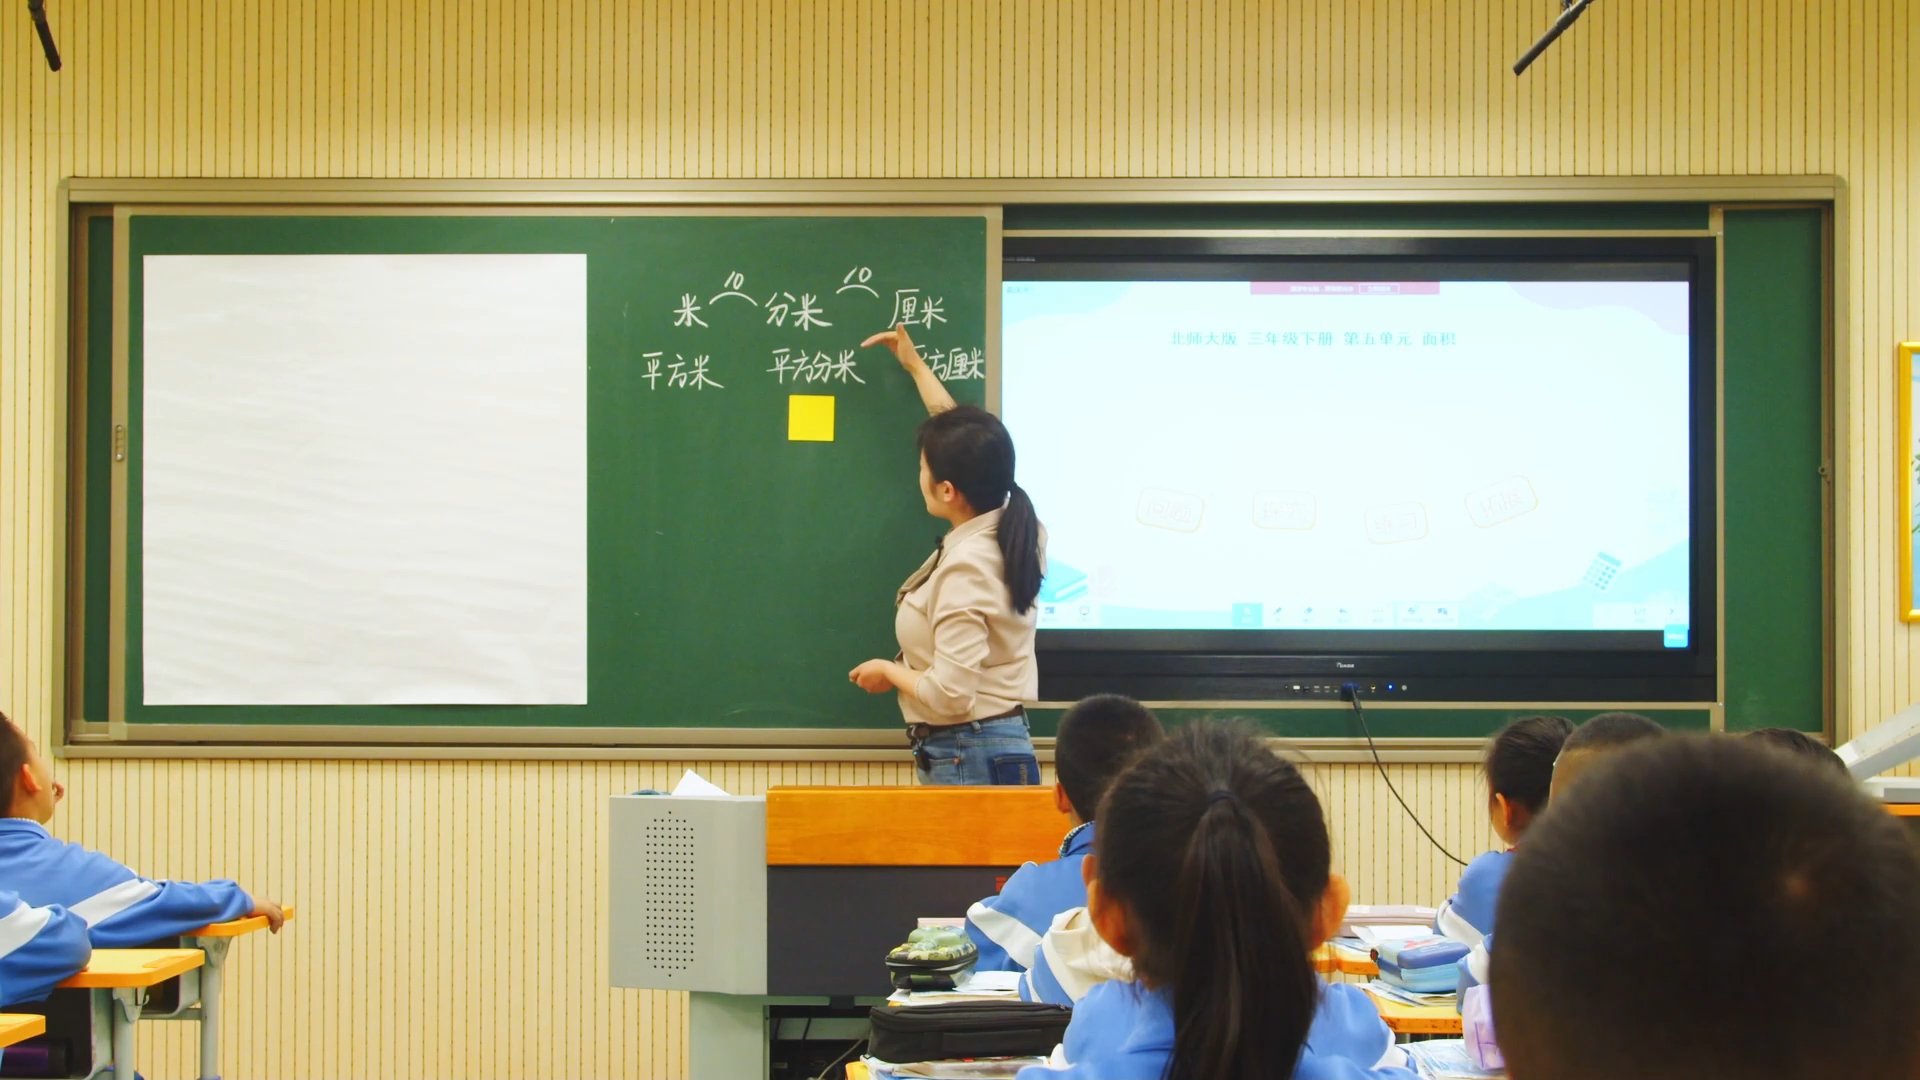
1096	740
1581	748
122	910
1213	874
1519	768
39	946
1705	907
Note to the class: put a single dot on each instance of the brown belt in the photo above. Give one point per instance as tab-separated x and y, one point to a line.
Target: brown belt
917	732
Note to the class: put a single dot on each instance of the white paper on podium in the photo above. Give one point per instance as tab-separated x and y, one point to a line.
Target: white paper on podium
364	480
692	783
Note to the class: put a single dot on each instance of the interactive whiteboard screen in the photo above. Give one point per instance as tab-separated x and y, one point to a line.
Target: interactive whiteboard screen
1423	456
363	480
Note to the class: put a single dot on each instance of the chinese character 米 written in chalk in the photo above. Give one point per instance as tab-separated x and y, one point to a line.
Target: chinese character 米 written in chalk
810	418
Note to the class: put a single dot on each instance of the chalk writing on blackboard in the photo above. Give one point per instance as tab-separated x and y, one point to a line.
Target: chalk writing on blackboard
814	367
698	375
679	372
910	308
950	365
688	313
735	282
805	315
857	278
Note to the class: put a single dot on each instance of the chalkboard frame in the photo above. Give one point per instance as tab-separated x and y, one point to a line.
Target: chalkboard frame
1393	198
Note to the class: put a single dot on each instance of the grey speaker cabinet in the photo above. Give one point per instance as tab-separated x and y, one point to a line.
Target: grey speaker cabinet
687	893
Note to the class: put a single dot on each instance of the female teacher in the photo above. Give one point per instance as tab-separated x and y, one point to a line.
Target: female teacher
965	619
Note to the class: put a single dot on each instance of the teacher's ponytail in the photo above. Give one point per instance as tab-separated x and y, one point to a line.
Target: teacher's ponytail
1020	548
969	448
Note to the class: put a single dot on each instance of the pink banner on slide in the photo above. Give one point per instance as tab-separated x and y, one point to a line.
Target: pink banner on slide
1345	288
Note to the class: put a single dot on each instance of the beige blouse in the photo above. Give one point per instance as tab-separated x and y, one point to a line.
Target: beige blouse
957	627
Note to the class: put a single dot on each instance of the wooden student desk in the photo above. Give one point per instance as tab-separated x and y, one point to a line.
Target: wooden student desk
1404	1019
1330	959
17	1026
113	979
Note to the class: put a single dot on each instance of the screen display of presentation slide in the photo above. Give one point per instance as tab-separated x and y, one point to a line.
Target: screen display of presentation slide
1388	457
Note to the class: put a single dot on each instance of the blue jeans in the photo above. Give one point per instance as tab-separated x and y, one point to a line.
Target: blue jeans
978	752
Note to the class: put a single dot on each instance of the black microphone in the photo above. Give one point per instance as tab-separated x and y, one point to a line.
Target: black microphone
38	9
1570	11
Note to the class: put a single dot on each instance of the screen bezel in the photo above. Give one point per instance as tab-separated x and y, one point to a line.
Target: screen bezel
1569	666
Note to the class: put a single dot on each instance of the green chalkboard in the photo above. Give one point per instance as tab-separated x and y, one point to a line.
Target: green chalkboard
1776	450
734	576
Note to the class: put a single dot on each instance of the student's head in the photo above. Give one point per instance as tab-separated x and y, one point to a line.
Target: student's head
1595	739
1801	743
1211	870
1686	912
1097	739
30	788
1520	771
966	469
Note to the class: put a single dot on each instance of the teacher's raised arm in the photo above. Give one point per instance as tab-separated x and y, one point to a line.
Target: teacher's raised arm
965	620
933	392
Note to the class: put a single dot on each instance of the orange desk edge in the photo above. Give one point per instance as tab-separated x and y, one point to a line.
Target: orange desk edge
1329	959
1404	1019
1904	809
17	1026
912	826
238	927
1351	961
122	969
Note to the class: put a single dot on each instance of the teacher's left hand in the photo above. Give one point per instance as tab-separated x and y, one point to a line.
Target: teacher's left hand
874	676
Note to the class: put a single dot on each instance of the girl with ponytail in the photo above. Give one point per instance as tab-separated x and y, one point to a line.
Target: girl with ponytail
1211	870
965	620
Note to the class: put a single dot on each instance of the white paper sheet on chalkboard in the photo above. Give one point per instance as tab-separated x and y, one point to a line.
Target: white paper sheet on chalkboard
365	480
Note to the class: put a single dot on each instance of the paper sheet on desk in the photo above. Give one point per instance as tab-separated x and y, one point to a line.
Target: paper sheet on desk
1445	1059
1408	997
983	981
983	1069
1372	936
1359	915
977	986
694	784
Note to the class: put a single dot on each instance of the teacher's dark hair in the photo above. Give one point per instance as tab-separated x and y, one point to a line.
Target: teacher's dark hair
1218	851
969	448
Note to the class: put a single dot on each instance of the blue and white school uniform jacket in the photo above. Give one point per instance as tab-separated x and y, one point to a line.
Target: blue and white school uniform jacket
122	910
1123	1030
1008	927
1468	916
39	946
1071	960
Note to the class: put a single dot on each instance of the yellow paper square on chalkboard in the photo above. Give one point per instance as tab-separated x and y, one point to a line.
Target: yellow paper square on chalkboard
810	418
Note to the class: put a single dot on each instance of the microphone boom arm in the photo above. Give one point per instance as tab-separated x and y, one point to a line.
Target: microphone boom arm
1571	11
38	10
